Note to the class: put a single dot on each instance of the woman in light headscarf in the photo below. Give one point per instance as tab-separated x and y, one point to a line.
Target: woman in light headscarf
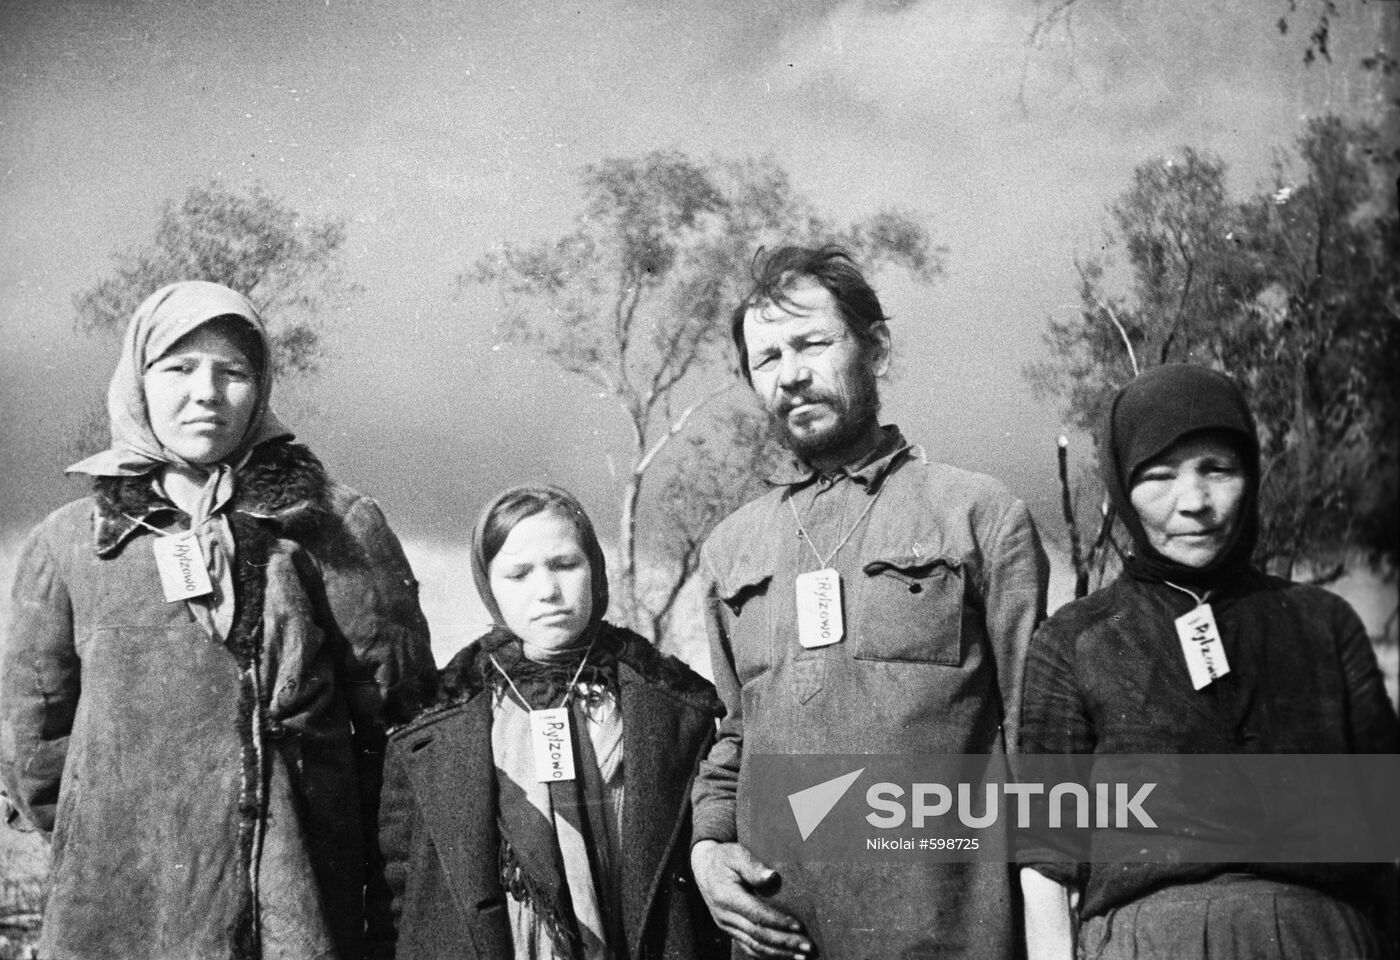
1264	666
202	658
541	809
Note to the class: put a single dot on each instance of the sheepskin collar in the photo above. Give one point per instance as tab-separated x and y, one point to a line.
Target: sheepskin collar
281	482
470	671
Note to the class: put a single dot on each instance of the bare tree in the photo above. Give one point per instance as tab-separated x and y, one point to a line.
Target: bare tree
636	301
1052	18
1294	291
249	240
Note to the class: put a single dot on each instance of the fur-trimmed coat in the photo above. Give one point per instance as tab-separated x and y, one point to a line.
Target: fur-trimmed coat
204	799
439	827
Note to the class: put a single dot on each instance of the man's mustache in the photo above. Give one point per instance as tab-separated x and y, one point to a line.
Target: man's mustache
790	403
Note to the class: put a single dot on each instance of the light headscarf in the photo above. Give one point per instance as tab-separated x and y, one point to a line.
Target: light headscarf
1153	412
162	319
160	322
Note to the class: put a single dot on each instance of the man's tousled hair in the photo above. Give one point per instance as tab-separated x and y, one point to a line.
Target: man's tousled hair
774	275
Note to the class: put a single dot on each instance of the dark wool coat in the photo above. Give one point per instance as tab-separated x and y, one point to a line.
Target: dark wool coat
438	817
203	799
1106	676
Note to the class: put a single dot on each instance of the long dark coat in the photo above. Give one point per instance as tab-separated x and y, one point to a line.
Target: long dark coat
438	815
205	799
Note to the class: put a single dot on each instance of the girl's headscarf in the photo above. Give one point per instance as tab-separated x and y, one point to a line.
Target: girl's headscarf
556	855
1154	411
158	324
516	504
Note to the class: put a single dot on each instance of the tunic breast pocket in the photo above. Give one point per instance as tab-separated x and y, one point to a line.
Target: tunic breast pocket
912	611
749	627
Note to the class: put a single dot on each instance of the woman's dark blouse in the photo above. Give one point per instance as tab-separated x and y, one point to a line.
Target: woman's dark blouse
1106	675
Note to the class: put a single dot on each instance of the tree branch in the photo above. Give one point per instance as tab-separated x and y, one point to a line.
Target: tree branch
689	562
687	348
1113	317
1180	303
677	426
1076	557
1060	12
624	311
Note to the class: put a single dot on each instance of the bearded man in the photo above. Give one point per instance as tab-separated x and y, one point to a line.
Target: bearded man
939	579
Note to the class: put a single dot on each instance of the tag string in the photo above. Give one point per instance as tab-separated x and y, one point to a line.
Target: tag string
156	530
1200	598
194	527
823	561
569	692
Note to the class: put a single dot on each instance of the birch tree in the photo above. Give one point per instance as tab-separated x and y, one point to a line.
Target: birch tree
635	302
288	265
1294	291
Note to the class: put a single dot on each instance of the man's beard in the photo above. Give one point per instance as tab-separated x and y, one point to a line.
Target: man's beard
855	412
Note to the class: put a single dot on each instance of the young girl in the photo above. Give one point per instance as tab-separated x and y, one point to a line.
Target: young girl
541	809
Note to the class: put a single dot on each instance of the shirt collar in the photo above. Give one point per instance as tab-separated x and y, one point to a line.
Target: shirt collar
869	471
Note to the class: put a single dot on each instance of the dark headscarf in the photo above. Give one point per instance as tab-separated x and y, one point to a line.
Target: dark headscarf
1156	410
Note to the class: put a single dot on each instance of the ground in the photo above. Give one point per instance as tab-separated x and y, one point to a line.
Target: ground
23	862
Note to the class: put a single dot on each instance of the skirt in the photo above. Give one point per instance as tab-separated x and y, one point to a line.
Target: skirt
1231	917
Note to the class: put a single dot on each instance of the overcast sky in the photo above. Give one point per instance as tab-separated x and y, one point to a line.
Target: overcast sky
438	129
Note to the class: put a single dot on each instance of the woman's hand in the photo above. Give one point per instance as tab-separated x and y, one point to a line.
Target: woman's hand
730	879
1049	921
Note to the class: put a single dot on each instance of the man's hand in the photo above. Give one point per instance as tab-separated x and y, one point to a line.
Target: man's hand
728	877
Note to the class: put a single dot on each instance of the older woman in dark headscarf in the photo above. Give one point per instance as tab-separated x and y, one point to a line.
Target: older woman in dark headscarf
540	810
201	661
1272	667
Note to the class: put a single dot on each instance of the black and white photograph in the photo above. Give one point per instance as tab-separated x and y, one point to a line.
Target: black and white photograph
455	454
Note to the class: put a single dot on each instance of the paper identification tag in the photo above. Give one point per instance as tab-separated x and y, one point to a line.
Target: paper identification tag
1200	641
819	608
183	575
554	745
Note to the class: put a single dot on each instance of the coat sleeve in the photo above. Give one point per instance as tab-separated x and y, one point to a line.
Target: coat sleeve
387	665
716	785
373	598
1372	726
1017	575
39	686
397	824
1056	734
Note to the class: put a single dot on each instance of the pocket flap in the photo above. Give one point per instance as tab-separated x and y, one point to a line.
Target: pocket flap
912	610
747	573
910	564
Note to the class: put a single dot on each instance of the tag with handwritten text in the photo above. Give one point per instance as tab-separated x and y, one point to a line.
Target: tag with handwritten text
1200	641
819	622
183	575
554	744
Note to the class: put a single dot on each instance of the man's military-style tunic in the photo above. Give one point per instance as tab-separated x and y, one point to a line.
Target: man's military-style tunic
944	580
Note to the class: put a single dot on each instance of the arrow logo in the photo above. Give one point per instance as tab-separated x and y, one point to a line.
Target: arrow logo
810	806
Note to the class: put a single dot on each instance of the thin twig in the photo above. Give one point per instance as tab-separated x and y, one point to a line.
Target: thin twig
1076	556
676	427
